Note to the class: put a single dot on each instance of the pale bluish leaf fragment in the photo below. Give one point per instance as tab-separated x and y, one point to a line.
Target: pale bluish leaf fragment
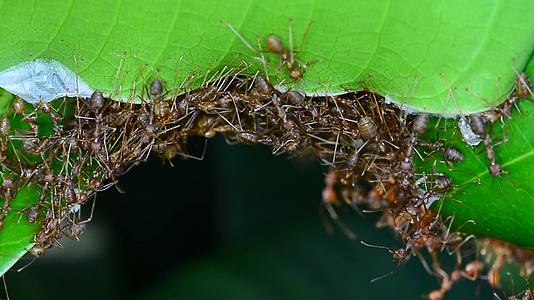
43	79
471	138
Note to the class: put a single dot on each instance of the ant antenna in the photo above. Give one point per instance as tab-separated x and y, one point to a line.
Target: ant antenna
92	211
23	268
239	36
375	246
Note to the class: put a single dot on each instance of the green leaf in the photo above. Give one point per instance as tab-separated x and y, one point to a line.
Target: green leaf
501	207
436	56
16	237
17	234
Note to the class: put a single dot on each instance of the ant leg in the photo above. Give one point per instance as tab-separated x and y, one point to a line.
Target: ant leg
383	276
92	211
425	264
5	286
332	212
324	219
195	157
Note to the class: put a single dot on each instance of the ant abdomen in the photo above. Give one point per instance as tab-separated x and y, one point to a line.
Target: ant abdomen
453	154
96	101
294	97
247	137
295	74
420	123
274	44
406	164
32	213
263	86
367	128
156	88
476	122
442	182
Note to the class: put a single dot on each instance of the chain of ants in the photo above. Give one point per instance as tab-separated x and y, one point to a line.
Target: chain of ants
368	146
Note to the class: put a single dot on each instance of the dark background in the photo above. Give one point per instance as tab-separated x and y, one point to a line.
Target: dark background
241	224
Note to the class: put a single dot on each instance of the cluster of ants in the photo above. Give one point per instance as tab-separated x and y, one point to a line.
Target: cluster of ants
71	149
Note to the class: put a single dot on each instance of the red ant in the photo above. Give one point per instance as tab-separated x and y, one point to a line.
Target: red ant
330	200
